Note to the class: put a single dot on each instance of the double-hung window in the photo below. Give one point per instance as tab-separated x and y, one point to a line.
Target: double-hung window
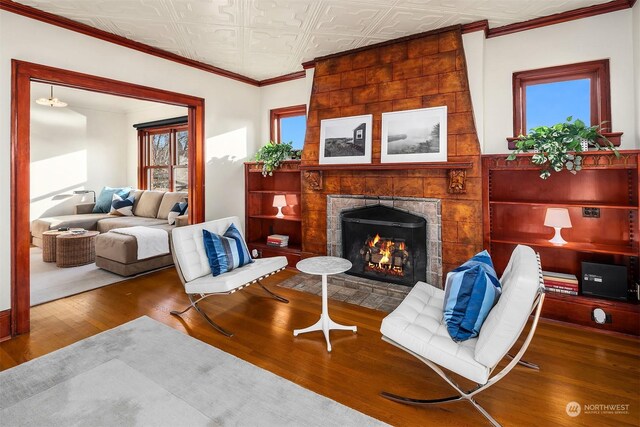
289	124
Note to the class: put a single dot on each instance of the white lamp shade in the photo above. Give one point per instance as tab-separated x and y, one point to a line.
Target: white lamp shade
279	200
557	217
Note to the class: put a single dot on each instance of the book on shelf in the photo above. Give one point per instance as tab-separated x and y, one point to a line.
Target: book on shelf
560	291
560	277
560	286
279	240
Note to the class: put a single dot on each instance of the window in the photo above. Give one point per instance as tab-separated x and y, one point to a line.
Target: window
289	124
164	155
549	95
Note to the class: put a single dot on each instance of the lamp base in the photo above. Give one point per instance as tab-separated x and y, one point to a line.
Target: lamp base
279	214
557	238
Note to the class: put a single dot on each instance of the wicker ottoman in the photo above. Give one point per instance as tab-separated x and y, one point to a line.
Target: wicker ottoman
49	245
73	250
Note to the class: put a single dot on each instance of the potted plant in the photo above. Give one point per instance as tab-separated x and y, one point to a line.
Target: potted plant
559	146
272	154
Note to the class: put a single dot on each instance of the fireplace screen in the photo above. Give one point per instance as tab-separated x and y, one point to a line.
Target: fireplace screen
385	244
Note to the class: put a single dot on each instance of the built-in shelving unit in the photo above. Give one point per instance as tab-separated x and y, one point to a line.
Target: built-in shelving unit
515	203
261	219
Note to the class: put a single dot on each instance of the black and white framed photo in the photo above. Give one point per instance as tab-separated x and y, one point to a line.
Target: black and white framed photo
346	140
414	136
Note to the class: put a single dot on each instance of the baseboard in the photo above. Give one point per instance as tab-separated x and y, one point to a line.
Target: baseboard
5	325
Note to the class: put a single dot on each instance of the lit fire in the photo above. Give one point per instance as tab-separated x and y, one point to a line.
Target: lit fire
385	255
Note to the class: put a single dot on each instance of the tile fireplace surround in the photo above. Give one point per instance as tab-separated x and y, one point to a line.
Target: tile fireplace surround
367	292
429	209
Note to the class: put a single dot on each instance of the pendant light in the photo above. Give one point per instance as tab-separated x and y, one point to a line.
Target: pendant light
51	101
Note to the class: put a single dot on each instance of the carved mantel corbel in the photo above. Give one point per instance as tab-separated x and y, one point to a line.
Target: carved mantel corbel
313	179
457	181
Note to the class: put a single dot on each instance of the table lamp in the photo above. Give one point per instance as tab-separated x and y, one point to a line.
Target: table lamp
279	201
558	218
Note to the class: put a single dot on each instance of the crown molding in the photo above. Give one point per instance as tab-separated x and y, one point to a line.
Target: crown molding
482	25
284	78
69	24
570	15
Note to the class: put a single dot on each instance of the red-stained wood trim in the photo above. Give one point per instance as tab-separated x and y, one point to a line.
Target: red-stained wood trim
596	71
23	73
285	78
69	24
570	15
309	64
476	26
280	113
389	166
5	325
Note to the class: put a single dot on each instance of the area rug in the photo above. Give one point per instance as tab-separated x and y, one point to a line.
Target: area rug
144	373
49	282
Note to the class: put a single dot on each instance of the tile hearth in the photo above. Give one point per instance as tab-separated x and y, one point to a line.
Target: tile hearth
355	290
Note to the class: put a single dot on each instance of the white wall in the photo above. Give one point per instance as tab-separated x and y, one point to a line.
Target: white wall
597	37
285	94
74	148
474	55
159	112
231	109
635	13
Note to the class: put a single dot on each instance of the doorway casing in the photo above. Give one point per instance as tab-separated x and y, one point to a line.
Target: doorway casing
22	74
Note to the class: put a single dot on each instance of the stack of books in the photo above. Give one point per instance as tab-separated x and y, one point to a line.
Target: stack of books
278	240
560	283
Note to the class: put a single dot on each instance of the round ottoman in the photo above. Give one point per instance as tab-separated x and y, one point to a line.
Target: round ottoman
75	249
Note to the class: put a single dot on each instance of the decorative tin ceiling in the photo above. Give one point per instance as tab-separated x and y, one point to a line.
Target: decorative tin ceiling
261	39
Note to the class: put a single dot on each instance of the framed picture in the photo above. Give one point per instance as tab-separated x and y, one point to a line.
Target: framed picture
414	136
346	140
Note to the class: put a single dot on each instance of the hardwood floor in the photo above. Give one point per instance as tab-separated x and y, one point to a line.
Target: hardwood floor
576	364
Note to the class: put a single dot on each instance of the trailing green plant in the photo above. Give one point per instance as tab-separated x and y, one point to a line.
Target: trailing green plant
559	146
272	154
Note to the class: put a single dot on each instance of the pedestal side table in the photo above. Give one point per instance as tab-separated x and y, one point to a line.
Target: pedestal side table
324	266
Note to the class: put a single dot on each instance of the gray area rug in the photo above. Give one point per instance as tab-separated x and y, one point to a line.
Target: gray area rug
49	282
144	373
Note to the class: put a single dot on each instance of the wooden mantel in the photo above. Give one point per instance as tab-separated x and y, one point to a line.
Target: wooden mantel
312	173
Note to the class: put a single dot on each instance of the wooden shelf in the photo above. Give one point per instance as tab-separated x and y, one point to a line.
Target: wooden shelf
390	166
293	248
578	204
285	218
595	248
273	192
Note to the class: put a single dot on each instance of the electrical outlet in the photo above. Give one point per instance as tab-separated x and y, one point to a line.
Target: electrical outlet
591	212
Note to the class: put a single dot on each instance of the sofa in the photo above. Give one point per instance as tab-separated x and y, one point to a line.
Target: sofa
150	209
116	252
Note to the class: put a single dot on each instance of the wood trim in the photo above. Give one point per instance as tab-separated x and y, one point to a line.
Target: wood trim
284	78
389	166
22	75
279	113
69	24
309	64
476	26
5	325
570	15
596	71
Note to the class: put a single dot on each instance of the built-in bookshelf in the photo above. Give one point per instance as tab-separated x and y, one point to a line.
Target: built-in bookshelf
515	203
261	220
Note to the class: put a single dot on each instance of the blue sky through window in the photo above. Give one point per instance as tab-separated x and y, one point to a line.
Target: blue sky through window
293	129
551	103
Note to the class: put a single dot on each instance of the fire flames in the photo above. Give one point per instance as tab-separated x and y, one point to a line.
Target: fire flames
385	255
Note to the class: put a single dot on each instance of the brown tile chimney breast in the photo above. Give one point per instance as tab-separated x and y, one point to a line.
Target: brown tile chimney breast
416	72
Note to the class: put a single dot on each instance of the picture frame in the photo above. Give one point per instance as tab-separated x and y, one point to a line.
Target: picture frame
346	140
414	136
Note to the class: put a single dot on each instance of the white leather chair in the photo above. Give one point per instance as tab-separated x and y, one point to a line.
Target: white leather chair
417	326
192	264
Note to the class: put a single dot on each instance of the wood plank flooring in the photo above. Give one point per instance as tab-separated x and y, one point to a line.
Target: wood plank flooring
576	364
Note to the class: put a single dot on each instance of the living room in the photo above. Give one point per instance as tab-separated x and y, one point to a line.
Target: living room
236	123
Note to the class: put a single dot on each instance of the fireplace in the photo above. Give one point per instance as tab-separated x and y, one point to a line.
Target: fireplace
386	244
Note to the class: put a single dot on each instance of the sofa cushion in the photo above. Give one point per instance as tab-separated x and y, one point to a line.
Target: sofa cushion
177	210
86	221
121	206
148	204
112	222
168	201
103	202
471	291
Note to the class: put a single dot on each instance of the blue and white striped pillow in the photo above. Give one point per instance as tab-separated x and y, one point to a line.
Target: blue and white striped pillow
472	291
225	252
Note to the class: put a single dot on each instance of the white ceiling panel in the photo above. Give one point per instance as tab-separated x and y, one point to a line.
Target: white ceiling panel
266	38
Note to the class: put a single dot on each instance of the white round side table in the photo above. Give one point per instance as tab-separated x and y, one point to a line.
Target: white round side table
324	265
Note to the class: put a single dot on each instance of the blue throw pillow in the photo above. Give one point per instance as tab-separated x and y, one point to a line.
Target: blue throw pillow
225	252
103	202
177	210
472	291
